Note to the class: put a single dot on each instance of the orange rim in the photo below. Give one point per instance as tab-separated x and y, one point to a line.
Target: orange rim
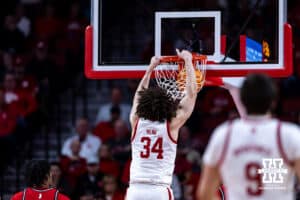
174	59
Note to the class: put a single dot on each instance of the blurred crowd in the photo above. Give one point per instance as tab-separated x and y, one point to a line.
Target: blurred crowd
41	51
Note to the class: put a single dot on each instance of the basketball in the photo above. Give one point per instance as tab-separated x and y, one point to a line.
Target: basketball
181	79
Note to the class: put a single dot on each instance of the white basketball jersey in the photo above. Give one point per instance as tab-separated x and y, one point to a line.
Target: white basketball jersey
254	158
153	153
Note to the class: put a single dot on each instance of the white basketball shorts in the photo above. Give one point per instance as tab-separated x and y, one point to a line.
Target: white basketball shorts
148	192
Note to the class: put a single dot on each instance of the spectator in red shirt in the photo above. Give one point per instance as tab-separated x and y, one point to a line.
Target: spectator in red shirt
73	166
105	129
39	180
107	164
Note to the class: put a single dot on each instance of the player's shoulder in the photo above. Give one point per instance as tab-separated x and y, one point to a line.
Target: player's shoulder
223	127
62	197
221	130
290	126
17	196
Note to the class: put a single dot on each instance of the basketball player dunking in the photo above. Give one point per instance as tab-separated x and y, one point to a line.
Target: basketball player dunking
256	156
155	119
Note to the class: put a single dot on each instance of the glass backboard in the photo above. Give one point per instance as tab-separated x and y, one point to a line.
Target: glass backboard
237	36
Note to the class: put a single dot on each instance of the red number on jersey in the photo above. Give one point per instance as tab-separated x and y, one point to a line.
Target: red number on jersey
251	173
146	153
156	148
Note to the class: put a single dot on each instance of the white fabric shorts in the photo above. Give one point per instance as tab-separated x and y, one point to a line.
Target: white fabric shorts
148	192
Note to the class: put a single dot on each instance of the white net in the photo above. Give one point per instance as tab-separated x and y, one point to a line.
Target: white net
173	80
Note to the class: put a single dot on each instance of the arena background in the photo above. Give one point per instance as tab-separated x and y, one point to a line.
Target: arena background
41	72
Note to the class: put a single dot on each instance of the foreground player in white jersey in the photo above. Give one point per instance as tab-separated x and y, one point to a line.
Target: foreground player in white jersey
236	151
155	119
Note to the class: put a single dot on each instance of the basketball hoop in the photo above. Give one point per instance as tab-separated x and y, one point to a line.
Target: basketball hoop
170	74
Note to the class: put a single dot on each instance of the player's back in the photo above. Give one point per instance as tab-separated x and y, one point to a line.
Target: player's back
246	143
153	153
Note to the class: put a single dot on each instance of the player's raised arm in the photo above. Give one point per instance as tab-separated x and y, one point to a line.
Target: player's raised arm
235	94
187	103
191	85
144	83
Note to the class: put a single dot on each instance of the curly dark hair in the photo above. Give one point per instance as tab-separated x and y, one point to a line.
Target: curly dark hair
156	105
36	173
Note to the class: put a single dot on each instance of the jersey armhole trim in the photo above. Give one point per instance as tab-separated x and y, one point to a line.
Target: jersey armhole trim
280	146
221	192
226	144
134	130
24	194
169	193
56	195
169	133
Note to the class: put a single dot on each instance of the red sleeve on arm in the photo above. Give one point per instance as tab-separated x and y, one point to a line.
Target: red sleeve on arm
17	196
62	197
